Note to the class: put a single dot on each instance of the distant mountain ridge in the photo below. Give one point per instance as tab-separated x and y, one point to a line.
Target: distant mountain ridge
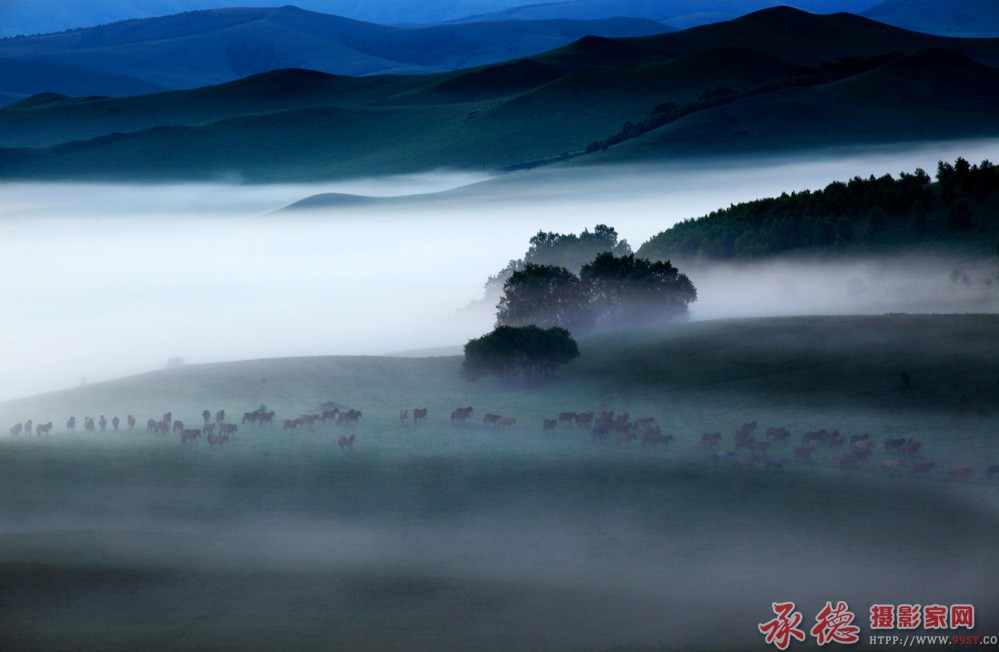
214	46
759	83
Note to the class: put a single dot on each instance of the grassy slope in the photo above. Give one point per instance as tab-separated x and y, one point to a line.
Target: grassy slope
266	127
512	538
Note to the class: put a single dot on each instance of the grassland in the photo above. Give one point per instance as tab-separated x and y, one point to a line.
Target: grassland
461	537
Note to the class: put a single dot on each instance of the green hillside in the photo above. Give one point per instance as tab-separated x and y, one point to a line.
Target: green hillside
746	86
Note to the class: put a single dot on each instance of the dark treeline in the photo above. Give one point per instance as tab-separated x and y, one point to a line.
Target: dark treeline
667	112
839	216
566	250
526	354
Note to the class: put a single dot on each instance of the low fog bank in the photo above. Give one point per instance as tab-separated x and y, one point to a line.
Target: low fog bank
640	554
107	280
897	283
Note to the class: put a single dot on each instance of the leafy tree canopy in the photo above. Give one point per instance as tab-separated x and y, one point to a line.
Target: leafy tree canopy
519	353
544	295
629	291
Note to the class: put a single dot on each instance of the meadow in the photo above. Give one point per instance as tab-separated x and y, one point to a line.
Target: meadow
469	536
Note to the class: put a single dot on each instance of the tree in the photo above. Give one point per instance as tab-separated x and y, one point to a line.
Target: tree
526	353
544	295
625	290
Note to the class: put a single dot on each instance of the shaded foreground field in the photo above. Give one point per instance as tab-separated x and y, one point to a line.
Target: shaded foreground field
472	537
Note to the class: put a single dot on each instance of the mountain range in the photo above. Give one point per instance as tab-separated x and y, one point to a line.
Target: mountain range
778	79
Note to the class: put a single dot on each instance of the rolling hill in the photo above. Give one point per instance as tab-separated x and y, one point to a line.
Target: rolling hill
208	47
967	18
298	124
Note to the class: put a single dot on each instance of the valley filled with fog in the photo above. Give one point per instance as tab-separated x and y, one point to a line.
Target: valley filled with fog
105	280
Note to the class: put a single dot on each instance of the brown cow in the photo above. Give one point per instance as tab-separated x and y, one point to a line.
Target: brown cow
290	424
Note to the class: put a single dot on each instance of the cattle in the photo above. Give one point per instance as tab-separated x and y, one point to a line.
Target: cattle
346	442
507	422
567	417
43	429
71	425
349	417
548	425
404	416
892	465
776	463
778	434
460	415
804	453
308	419
216	440
490	419
419	416
16	429
653	437
131	422
115	422
960	471
290	424
189	435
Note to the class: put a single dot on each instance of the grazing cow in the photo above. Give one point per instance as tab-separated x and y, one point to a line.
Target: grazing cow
960	471
131	422
308	419
43	429
804	453
71	425
115	422
178	425
187	435
419	416
892	466
404	416
206	416
778	434
549	425
776	463
220	416
16	429
490	419
653	437
923	468
216	440
567	417
349	417
460	415
507	422
584	419
290	424
346	442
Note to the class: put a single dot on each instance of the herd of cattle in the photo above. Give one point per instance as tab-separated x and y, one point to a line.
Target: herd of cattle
771	451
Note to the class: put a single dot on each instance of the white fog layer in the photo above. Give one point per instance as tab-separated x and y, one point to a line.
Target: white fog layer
102	281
